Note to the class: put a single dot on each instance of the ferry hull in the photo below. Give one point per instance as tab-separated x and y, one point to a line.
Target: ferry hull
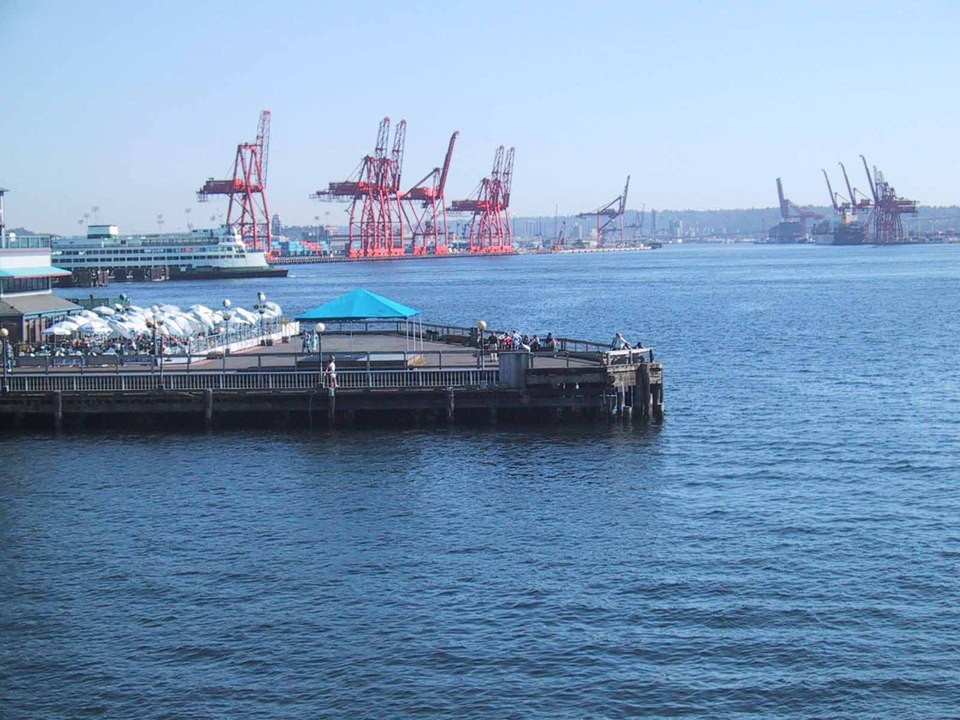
227	273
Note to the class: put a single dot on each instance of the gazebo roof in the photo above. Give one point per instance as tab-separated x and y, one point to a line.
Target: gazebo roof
359	305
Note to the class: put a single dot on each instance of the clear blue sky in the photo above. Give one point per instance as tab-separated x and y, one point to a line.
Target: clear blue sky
132	105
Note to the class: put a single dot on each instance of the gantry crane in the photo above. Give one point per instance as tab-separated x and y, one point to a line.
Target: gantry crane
248	190
839	206
857	205
790	211
490	231
608	214
425	211
376	219
888	208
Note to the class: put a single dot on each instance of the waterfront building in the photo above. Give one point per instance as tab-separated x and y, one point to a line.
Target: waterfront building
27	303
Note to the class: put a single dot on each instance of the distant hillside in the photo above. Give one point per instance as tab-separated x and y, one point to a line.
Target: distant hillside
22	231
692	224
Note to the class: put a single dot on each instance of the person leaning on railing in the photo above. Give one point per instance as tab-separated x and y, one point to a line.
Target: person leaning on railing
493	346
619	342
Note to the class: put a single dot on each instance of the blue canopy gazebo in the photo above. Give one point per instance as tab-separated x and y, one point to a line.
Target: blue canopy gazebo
360	305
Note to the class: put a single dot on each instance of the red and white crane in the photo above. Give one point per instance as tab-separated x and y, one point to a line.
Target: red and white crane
247	190
425	209
608	214
490	231
888	208
376	218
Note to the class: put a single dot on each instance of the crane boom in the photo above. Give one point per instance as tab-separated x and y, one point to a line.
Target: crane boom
833	197
873	188
446	163
846	179
263	142
507	178
784	205
399	140
383	137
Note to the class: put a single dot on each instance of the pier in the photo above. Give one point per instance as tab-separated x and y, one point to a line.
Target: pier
381	380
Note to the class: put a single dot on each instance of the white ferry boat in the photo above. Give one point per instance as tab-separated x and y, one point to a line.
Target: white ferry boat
202	254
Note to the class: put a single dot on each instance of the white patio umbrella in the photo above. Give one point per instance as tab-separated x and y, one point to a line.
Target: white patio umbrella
237	322
123	329
251	318
59	330
174	328
271	311
203	322
137	322
95	327
72	321
194	324
104	311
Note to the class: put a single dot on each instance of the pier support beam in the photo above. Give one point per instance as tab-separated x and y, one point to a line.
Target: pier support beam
451	406
57	410
656	391
644	399
208	409
331	405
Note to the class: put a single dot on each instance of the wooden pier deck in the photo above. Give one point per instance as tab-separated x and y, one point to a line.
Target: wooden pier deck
383	378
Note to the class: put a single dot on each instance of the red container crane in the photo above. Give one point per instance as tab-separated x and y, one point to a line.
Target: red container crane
608	214
888	208
490	231
248	190
376	218
425	211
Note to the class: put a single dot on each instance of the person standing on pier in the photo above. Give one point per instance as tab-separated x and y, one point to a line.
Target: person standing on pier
331	372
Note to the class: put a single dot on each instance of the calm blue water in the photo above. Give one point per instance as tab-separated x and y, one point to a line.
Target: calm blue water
786	545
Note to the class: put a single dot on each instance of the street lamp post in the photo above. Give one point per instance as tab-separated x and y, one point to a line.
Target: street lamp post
481	326
4	336
319	329
226	324
155	323
261	299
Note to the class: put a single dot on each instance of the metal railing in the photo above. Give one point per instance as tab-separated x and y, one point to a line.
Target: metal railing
631	356
25	242
456	358
239	381
451	333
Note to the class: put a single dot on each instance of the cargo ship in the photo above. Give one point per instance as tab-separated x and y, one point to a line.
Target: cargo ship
849	231
103	254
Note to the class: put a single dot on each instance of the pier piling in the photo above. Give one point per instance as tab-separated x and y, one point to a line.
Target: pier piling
58	410
208	409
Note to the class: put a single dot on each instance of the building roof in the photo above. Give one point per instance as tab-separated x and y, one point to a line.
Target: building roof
360	305
41	304
33	272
